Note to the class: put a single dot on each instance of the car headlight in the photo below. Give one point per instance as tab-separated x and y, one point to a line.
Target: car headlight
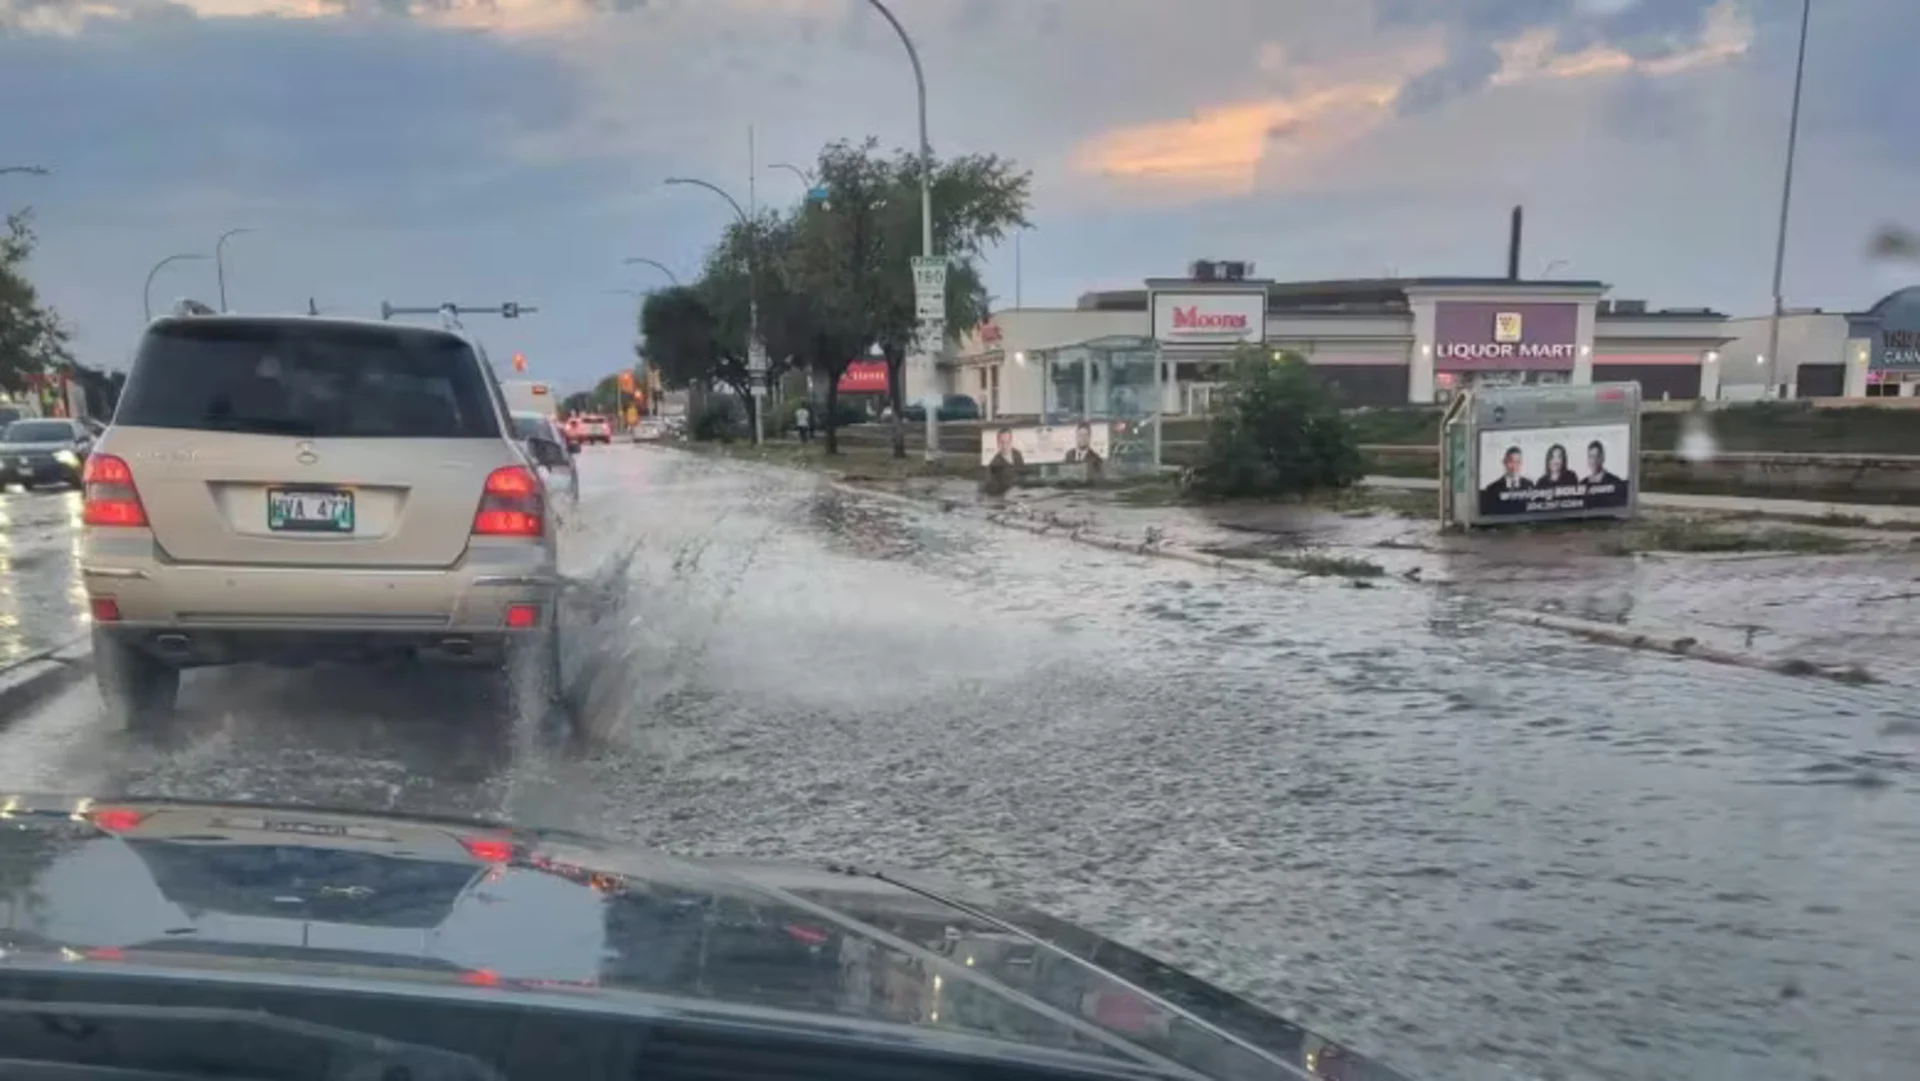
67	458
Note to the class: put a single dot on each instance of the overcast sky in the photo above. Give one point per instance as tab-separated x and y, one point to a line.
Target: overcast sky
489	150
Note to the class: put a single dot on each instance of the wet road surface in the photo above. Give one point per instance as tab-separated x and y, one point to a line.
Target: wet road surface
41	602
1470	848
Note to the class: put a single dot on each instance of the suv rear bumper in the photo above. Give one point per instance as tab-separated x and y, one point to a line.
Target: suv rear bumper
219	609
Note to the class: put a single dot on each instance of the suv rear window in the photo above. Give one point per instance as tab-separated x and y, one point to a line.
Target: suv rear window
308	379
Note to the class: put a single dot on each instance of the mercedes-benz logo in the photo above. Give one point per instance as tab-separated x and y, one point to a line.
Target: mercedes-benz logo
304	453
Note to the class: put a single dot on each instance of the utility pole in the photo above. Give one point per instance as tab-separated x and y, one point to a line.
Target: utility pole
1786	204
930	275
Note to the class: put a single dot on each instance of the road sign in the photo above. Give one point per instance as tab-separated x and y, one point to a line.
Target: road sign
756	357
818	193
930	275
930	306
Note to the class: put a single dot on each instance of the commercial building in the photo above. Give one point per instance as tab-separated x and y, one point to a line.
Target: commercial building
1381	342
1868	354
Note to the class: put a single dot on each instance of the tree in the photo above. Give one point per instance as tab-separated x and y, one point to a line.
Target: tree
1281	433
977	200
833	277
698	334
33	339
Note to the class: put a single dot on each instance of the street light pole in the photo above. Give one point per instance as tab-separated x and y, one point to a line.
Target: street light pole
220	262
926	219
1786	204
146	295
753	298
637	260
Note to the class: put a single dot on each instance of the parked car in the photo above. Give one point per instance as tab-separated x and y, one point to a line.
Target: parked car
952	407
287	490
49	450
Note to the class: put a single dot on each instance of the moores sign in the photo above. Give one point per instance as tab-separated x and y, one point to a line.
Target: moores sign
1210	318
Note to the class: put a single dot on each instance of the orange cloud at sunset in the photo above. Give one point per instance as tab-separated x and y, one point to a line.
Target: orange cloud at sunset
1222	149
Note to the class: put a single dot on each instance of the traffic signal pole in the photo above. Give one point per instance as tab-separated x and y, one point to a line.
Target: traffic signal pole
451	313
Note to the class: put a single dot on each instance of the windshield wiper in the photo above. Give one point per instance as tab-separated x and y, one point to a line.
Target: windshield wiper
206	1042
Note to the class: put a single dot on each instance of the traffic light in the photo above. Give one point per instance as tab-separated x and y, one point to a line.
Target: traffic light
626	382
519	362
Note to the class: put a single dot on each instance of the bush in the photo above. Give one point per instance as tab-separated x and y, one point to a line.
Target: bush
718	421
1280	433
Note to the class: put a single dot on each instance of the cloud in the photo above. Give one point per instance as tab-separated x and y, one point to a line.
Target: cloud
1230	149
501	147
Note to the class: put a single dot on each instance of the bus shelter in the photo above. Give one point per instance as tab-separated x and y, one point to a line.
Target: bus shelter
1101	406
1540	454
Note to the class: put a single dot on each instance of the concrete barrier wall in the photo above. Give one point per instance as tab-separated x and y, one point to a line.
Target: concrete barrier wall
1838	478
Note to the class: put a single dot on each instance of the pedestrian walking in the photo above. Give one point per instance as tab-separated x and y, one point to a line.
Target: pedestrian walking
803	423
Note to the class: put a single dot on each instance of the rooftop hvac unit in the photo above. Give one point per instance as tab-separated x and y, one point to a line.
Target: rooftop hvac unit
1204	270
1629	307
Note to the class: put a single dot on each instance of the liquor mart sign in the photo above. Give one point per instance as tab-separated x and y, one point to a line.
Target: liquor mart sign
1493	336
1233	317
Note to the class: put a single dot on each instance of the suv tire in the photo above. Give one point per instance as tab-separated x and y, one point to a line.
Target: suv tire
138	688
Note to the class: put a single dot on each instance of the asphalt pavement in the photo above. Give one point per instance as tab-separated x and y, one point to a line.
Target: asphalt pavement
1472	848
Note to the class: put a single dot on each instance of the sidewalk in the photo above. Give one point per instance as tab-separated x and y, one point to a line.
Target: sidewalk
1798	510
1834	585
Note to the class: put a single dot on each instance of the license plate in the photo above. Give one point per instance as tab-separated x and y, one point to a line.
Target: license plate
309	510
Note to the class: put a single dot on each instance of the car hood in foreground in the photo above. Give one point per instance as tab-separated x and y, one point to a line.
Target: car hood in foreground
227	889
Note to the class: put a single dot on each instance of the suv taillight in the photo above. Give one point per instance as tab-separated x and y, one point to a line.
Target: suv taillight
510	504
111	499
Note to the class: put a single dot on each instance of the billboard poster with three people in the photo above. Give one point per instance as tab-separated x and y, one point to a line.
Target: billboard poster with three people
1540	471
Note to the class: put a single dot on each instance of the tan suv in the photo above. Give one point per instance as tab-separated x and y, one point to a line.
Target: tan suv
290	490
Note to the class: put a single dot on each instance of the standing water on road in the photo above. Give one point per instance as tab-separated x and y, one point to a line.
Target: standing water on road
1459	844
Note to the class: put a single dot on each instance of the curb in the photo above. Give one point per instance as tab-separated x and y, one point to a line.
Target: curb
1603	633
32	680
1683	646
1082	536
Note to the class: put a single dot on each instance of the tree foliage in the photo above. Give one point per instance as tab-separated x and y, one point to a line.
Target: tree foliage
833	276
33	340
1281	432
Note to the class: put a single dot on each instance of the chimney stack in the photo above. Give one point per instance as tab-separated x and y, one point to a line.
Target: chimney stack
1513	247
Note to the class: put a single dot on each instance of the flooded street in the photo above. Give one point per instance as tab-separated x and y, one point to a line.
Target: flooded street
1470	848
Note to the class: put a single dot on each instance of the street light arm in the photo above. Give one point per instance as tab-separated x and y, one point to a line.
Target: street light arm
919	74
146	295
29	170
717	190
805	177
663	268
220	262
